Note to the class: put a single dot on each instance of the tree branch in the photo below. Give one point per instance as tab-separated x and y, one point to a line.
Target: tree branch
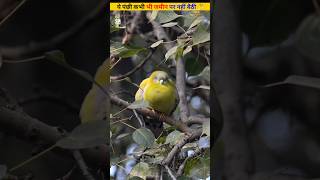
147	112
82	165
36	47
181	87
196	134
22	125
228	78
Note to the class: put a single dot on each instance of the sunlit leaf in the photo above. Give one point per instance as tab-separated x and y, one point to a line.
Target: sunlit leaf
153	15
85	135
156	44
200	35
166	16
170	24
144	137
201	170
304	81
196	21
171	52
140	170
174	137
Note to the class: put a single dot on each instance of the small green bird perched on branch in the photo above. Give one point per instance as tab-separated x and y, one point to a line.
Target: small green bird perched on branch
160	92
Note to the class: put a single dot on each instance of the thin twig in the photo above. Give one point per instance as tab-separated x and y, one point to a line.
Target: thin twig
68	175
170	173
24	60
139	119
120	77
82	165
12	12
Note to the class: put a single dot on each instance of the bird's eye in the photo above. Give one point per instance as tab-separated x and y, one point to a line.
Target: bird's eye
161	81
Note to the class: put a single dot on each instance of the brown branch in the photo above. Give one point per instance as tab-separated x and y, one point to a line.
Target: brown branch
173	177
189	137
37	47
15	122
147	112
120	77
181	87
82	165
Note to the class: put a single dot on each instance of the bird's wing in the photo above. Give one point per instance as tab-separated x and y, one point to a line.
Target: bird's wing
139	93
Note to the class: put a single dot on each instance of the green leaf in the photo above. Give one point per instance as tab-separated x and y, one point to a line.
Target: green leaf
206	128
174	137
166	16
135	178
3	171
85	135
196	21
153	15
308	37
170	24
171	52
198	167
138	104
124	51
144	137
201	170
304	81
200	35
57	56
187	50
156	44
140	170
193	66
205	74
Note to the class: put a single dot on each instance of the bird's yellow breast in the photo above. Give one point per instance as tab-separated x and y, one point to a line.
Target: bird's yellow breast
160	97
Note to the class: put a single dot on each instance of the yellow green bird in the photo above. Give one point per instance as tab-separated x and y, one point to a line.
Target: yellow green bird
160	92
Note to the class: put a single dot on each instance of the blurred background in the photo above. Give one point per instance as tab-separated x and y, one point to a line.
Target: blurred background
44	89
281	131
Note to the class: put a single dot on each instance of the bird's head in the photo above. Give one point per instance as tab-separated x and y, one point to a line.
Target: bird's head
160	77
